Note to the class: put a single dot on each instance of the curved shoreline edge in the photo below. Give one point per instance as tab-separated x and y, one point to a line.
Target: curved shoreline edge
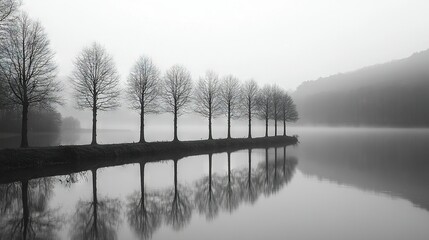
30	163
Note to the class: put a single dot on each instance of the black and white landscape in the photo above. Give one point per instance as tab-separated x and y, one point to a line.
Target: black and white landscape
229	119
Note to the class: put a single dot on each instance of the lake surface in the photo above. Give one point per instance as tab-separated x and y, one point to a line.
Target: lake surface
337	183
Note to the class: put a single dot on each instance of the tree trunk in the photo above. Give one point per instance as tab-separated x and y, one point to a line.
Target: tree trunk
94	126
250	166
142	140
95	201
284	127
275	163
175	179
266	164
250	123
275	123
24	126
229	121
266	126
175	126
25	210
229	167
284	160
210	175
142	181
210	125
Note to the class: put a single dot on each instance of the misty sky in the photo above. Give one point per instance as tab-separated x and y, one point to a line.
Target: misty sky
286	42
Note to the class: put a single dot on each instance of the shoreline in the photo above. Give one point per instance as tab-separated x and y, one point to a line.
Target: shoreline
36	162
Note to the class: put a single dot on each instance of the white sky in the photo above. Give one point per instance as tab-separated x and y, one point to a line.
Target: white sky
286	42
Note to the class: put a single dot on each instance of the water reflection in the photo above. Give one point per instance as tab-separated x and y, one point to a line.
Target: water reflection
96	219
143	209
207	194
25	213
229	195
177	204
390	161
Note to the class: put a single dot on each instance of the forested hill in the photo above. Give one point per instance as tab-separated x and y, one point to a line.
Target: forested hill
390	94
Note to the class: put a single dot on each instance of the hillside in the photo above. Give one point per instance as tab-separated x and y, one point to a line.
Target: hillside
390	94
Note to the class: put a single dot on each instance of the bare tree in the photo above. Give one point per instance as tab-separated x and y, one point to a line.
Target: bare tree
207	98
143	88
176	92
28	69
230	98
264	105
276	93
96	81
249	94
288	111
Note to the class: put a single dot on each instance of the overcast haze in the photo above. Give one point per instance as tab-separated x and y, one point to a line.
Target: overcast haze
284	42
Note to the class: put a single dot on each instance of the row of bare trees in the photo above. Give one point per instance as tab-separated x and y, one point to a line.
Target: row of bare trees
148	91
28	79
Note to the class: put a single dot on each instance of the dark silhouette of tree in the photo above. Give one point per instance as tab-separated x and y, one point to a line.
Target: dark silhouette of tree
25	213
176	92
289	166
207	194
97	219
28	69
176	204
230	198
144	213
249	190
143	88
249	94
207	98
276	93
96	82
230	99
266	184
276	179
288	111
265	105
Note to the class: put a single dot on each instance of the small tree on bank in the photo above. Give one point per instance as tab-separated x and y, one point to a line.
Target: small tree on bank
288	111
143	88
249	94
230	99
207	98
265	105
276	94
28	69
176	92
96	83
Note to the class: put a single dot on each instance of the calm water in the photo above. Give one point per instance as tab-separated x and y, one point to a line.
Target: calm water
336	184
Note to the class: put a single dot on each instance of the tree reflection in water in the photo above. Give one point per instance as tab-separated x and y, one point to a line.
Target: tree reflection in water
143	210
96	219
230	189
24	210
177	204
207	194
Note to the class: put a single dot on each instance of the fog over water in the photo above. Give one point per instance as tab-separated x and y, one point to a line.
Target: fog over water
336	183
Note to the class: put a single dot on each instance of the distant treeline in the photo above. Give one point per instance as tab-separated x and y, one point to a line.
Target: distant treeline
391	94
41	121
